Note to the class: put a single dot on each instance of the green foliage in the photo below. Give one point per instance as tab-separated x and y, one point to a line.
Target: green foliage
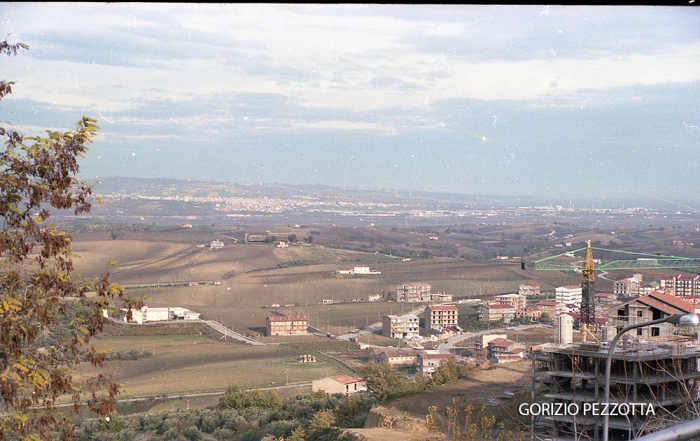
43	303
292	238
237	398
301	417
545	317
447	372
387	383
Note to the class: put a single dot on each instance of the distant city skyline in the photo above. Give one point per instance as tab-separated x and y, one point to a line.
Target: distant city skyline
550	102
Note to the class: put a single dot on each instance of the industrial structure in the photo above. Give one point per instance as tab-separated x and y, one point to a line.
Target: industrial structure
587	269
659	378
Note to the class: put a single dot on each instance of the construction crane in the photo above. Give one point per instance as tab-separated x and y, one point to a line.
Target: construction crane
645	261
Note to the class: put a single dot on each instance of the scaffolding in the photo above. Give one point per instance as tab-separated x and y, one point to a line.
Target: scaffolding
662	376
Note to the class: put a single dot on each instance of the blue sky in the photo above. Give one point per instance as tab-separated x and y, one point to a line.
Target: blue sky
554	102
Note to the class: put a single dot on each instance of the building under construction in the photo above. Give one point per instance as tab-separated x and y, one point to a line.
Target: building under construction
663	375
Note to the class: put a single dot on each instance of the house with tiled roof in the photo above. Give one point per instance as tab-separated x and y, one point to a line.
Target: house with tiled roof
397	357
656	305
286	325
529	289
339	384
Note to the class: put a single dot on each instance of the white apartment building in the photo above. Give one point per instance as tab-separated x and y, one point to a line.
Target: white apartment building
400	326
569	295
413	292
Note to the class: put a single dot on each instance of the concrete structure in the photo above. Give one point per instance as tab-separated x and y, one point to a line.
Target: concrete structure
359	271
663	376
427	363
529	289
566	329
286	325
400	326
216	245
517	301
569	295
413	292
148	314
339	384
441	317
492	313
645	308
599	324
395	357
374	298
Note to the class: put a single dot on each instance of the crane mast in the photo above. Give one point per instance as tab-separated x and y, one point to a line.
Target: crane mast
587	292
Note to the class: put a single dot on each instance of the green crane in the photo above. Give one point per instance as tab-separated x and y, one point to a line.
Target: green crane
644	261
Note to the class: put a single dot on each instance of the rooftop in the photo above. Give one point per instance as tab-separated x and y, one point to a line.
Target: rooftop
286	318
346	379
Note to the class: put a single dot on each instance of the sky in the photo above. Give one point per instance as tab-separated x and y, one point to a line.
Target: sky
552	102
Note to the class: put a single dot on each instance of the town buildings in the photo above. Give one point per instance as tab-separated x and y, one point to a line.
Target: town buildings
441	317
529	289
400	326
551	308
680	286
286	325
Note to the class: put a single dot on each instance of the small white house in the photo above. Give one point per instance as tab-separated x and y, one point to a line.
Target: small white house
216	245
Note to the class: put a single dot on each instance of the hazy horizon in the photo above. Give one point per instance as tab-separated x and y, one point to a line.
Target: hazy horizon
549	102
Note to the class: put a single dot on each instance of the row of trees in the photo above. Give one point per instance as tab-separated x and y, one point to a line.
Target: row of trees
242	416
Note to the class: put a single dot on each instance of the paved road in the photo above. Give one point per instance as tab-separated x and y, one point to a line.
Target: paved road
229	333
192	395
448	346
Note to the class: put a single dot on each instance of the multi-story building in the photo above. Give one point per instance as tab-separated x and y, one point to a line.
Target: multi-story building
286	325
663	376
626	287
680	286
400	326
529	289
496	312
569	295
517	301
441	316
551	308
413	292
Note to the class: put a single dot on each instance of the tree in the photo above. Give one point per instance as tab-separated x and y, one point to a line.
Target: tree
46	322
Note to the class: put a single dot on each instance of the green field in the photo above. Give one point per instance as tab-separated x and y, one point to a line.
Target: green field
198	364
